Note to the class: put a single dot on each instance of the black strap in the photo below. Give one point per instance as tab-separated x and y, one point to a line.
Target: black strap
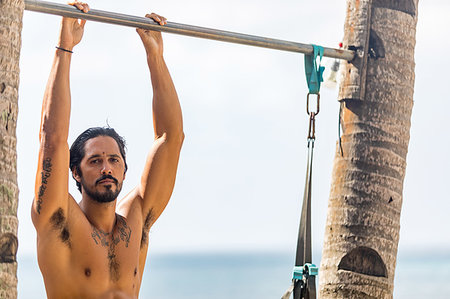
304	254
305	289
304	280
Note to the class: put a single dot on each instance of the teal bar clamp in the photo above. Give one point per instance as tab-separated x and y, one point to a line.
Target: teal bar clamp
298	272
306	269
312	269
313	69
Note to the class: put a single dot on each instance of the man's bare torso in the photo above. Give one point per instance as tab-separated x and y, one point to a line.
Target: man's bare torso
92	249
78	260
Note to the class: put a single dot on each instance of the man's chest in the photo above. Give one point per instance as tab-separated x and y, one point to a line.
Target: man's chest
89	261
107	255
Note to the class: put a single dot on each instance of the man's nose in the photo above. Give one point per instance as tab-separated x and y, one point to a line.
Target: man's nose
106	169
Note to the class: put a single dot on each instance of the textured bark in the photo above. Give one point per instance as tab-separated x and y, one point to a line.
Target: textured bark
10	42
356	37
363	222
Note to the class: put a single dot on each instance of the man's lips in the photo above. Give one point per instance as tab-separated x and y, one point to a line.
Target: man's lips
106	180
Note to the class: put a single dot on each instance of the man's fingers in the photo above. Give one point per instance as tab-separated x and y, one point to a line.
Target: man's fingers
157	18
84	7
82	23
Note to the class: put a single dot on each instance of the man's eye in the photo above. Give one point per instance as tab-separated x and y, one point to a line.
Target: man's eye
114	160
95	161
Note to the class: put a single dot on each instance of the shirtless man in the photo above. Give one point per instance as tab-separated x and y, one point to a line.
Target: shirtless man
92	249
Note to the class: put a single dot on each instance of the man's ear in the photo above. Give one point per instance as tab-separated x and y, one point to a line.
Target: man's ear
76	175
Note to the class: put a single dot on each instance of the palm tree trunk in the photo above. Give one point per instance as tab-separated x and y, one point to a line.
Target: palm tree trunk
10	42
376	95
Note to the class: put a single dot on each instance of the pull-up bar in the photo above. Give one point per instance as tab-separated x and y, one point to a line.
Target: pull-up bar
182	29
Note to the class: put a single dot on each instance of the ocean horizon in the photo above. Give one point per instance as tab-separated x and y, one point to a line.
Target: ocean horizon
239	275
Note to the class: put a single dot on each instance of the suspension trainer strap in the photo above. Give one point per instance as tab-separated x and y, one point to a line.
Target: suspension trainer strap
303	281
304	276
306	287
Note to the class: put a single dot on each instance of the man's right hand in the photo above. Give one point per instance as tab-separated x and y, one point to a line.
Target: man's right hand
151	39
72	29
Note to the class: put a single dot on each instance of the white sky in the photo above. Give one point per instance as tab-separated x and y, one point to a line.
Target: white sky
242	167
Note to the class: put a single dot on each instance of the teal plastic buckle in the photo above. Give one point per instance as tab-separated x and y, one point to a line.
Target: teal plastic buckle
313	69
305	270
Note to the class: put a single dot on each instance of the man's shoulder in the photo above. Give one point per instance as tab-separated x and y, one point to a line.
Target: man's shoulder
130	204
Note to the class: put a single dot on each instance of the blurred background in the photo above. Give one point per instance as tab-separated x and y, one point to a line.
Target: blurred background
230	229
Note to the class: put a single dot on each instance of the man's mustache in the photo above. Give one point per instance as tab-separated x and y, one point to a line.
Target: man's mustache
106	176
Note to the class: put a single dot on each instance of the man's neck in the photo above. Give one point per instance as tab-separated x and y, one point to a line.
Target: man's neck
100	215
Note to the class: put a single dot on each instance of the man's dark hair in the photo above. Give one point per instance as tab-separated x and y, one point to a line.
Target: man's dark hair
77	150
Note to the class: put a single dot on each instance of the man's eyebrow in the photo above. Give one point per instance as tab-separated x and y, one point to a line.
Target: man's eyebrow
94	156
100	156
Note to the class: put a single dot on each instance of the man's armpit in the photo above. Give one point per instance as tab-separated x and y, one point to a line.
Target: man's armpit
59	224
149	219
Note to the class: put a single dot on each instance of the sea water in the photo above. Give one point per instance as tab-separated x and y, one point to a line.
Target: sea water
247	275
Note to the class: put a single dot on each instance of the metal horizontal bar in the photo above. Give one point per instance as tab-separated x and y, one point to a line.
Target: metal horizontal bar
182	29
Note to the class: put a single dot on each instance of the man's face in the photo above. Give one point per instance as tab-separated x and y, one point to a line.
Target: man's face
102	169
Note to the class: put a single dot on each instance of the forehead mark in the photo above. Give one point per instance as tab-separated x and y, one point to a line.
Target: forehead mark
101	142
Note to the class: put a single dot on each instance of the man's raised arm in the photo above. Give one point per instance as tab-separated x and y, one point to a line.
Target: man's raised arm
51	186
158	178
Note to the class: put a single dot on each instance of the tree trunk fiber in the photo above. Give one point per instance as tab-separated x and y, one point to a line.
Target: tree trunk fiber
10	42
376	95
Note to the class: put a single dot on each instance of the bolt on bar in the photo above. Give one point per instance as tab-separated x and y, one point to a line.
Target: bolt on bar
182	29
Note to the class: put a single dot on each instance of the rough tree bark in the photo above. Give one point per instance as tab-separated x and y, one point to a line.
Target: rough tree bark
376	95
10	42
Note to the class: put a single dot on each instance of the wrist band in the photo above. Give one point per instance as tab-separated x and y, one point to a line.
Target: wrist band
62	49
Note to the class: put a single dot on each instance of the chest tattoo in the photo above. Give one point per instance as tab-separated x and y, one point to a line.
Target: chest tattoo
122	232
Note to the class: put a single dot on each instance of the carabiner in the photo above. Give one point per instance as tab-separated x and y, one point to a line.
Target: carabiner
318	104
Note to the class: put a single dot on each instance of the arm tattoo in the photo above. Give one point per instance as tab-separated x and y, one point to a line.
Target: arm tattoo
45	174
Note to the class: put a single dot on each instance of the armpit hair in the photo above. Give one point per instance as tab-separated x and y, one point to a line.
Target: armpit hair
59	224
146	227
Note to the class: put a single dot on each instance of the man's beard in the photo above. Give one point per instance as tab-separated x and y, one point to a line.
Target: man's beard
106	196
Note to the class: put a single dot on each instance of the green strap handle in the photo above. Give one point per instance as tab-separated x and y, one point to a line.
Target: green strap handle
313	70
